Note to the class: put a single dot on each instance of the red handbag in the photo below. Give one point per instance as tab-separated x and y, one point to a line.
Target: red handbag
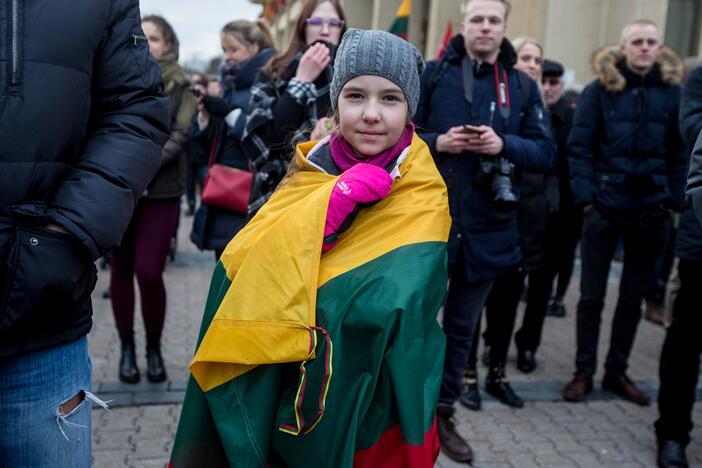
226	187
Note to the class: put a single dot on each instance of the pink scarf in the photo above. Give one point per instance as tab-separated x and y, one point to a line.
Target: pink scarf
345	157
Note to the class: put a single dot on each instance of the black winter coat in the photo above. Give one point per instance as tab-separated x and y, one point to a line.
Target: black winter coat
626	154
689	238
83	121
489	237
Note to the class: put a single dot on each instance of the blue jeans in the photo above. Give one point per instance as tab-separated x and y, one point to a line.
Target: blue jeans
34	431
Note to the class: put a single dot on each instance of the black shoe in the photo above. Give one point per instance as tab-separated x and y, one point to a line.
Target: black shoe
128	370
526	361
556	308
452	444
497	385
485	357
156	372
671	454
470	398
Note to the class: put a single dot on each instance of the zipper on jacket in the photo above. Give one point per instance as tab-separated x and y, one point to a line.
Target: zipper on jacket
138	37
14	71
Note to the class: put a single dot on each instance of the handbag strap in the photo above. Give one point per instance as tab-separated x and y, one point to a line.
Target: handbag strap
213	151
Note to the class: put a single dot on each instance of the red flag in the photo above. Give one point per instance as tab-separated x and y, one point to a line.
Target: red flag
445	41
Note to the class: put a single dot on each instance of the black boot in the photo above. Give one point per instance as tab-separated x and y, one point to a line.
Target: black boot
671	454
128	370
156	371
497	385
470	398
526	362
556	308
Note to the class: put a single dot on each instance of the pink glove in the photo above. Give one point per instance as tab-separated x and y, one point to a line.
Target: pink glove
363	183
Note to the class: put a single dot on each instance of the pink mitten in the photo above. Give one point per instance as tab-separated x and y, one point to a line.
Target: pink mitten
363	183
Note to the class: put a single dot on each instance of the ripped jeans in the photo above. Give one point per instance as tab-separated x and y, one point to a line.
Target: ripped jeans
36	428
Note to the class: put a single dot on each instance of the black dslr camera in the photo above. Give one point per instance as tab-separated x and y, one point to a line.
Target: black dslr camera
498	173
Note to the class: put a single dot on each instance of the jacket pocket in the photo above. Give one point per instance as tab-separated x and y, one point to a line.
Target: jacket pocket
49	280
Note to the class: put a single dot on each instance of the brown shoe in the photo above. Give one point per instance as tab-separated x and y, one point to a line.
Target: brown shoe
578	388
453	445
625	388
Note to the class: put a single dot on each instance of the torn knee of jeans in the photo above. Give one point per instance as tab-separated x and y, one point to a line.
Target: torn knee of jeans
68	406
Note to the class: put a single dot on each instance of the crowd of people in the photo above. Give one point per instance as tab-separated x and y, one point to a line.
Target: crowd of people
367	191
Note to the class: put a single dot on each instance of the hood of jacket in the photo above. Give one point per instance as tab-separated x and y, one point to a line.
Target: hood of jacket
607	65
171	71
457	49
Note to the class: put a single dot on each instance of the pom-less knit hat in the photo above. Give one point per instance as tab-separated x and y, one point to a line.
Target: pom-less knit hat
378	53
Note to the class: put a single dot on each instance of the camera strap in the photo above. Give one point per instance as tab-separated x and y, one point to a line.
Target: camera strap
468	79
502	91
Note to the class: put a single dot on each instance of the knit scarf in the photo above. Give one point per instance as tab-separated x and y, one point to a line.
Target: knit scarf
345	157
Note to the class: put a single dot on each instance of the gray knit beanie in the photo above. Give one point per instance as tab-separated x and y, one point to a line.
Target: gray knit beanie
377	53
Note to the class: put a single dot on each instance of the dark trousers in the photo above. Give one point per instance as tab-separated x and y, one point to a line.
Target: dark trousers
143	253
464	304
500	315
562	235
680	358
195	177
528	337
642	243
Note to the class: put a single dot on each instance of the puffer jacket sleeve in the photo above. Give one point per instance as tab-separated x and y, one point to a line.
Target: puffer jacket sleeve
581	146
424	108
677	161
534	147
128	126
691	107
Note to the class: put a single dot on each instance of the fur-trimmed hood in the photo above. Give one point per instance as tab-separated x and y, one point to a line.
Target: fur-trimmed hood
606	63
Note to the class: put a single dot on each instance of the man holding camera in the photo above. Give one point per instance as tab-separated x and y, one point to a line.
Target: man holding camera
483	121
627	172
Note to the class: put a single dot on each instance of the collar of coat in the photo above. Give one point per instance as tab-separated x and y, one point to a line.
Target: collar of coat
609	67
456	50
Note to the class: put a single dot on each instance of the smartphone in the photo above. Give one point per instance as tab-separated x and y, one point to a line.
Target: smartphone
471	129
196	91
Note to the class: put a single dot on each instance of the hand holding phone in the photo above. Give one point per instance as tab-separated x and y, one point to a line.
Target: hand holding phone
471	129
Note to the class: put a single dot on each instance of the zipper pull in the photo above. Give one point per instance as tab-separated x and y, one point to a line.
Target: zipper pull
503	94
493	105
138	37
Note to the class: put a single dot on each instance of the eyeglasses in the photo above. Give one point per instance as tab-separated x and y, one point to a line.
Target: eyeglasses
332	23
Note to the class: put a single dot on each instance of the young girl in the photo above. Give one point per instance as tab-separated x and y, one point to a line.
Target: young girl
145	245
320	345
247	46
290	99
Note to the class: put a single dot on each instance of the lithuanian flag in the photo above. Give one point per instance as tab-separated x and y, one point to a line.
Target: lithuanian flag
400	26
324	360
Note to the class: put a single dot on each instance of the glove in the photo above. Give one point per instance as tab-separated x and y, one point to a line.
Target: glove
217	106
363	183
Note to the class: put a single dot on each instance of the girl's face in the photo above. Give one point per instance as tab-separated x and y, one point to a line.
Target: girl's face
372	114
157	44
236	51
529	61
324	23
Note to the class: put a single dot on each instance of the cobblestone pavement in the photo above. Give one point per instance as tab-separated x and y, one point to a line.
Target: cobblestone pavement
603	432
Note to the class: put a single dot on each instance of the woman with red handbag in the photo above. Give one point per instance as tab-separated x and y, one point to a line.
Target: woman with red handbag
147	241
247	46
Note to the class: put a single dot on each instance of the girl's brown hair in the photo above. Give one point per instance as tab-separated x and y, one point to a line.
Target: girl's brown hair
275	68
250	32
167	31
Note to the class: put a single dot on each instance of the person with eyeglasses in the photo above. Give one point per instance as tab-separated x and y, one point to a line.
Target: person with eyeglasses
290	98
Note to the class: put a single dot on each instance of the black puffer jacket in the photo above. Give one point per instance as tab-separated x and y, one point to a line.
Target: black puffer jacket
626	154
82	120
689	239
